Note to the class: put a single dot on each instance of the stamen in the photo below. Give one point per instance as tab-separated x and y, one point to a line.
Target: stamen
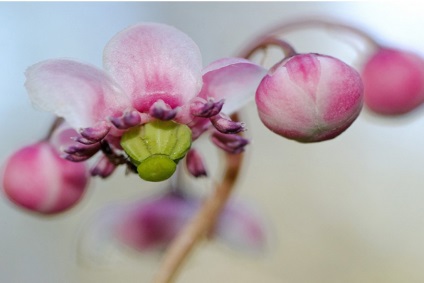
83	140
127	120
96	133
231	143
82	150
75	158
226	125
162	111
206	109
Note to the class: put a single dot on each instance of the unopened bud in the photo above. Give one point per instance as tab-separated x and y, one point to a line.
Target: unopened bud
36	178
310	97
393	81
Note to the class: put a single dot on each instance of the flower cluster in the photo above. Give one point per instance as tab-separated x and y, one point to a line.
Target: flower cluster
153	99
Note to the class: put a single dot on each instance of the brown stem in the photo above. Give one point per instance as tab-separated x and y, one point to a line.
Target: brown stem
265	42
56	123
201	224
313	23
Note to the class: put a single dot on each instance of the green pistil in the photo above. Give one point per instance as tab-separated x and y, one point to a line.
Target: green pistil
156	147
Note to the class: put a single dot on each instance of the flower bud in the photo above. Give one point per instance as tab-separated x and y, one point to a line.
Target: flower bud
393	81
309	97
38	179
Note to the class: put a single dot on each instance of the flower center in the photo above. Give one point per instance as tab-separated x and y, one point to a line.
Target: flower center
156	148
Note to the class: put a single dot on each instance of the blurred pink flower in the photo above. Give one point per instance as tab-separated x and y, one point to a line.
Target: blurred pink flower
309	97
393	81
151	224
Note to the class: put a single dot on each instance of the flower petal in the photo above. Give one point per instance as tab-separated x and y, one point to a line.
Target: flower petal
232	79
242	227
80	93
152	62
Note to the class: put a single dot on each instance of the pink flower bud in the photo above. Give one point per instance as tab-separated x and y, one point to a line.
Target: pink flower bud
38	179
393	81
309	97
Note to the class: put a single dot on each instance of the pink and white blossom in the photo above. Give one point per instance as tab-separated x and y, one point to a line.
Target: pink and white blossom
151	71
310	97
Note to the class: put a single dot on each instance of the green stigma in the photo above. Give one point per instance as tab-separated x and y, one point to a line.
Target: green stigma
156	147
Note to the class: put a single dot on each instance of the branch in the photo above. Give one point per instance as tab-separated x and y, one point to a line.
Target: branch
201	224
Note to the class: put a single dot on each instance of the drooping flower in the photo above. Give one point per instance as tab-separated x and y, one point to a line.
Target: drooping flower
38	179
309	97
151	224
393	81
153	86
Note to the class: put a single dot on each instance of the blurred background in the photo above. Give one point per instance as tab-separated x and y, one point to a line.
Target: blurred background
347	210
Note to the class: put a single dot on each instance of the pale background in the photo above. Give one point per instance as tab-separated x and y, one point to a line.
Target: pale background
347	210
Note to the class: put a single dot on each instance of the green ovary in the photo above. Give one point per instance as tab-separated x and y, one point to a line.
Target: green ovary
156	147
156	168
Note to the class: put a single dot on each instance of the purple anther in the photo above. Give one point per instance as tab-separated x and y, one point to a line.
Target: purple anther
206	109
132	118
226	125
96	133
82	150
83	140
162	111
75	158
231	143
103	168
127	120
195	164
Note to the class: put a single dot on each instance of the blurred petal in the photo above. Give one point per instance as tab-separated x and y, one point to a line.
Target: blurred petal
153	223
80	93
242	227
232	79
152	62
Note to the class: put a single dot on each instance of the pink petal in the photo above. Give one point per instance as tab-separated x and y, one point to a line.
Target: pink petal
80	93
152	62
232	79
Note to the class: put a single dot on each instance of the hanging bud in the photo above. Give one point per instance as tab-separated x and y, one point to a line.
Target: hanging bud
393	81
156	147
309	97
36	178
195	165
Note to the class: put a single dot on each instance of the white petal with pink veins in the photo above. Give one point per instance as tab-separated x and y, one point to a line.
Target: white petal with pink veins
152	62
80	93
232	79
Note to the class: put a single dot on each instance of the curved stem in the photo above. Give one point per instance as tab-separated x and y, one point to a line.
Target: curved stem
56	123
313	23
201	224
265	42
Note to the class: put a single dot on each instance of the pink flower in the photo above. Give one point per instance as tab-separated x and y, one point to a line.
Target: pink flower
153	72
151	224
38	179
309	97
393	81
